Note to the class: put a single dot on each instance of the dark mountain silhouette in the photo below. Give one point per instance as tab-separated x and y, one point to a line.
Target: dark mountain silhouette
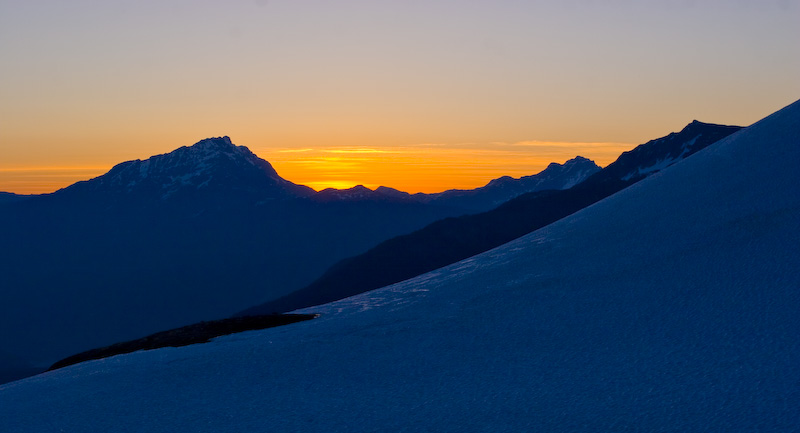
7	197
361	193
453	239
496	192
213	167
195	234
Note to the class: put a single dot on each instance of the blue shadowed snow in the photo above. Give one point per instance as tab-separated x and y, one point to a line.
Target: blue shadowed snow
670	307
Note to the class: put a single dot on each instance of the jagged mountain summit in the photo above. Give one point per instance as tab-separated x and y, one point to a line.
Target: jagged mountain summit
211	166
658	154
670	306
554	177
358	193
453	239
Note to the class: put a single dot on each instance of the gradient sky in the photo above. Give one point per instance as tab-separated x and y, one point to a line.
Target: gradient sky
417	95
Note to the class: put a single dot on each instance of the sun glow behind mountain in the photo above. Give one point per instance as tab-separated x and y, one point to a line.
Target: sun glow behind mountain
428	167
425	168
41	180
665	307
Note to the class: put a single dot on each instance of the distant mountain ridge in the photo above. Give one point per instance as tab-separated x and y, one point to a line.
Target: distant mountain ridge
453	239
217	166
555	176
7	197
494	193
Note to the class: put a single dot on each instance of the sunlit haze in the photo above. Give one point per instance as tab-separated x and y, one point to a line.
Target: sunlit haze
415	95
427	167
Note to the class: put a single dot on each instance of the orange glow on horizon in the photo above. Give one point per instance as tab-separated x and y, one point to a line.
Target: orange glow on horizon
425	168
43	180
428	168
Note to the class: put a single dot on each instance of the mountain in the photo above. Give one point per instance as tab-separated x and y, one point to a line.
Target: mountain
453	239
554	177
362	193
212	167
658	154
7	197
670	306
496	192
195	234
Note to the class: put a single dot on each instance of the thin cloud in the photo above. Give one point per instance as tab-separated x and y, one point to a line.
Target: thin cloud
294	150
565	144
356	150
429	167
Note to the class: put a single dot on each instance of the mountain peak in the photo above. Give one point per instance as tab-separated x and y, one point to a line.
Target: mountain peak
359	188
696	125
214	144
224	140
210	164
658	154
358	192
578	159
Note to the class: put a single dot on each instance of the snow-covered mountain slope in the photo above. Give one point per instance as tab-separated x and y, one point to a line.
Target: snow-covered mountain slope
670	306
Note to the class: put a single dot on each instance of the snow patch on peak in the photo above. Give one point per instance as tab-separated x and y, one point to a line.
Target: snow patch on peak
223	141
663	162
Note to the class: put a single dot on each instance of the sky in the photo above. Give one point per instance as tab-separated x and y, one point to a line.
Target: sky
416	95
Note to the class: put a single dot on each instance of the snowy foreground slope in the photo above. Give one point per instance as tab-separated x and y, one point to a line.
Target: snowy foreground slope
671	306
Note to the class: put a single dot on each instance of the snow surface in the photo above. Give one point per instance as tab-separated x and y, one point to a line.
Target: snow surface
669	307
